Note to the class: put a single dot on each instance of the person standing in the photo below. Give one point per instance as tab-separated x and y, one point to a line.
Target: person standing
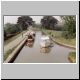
22	34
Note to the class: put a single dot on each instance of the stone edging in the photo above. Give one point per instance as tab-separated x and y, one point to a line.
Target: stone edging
12	56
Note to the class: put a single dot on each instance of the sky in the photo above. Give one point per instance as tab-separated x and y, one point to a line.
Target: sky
13	19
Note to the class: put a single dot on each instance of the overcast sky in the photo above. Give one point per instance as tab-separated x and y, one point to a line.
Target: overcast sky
13	19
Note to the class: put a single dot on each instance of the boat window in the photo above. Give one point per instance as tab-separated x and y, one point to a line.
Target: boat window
30	37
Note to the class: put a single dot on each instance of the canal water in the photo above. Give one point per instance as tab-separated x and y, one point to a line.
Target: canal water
33	53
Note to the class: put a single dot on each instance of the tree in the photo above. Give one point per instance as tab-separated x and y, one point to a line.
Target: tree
48	22
11	28
69	30
24	22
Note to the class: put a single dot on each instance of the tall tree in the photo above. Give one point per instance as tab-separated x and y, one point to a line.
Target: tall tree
24	22
48	22
69	26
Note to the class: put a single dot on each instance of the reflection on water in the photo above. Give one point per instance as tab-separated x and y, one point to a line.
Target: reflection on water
33	53
29	44
45	50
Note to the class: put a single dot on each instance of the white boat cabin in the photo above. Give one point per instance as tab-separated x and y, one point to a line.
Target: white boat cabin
45	41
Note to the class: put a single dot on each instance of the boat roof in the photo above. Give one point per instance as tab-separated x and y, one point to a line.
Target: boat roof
44	37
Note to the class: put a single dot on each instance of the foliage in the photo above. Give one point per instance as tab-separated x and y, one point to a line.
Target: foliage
10	30
69	30
72	57
24	22
48	22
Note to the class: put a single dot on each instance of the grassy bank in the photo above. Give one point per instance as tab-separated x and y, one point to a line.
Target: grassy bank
57	35
9	52
72	57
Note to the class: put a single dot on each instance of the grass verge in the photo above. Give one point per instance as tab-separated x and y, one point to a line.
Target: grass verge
72	57
9	52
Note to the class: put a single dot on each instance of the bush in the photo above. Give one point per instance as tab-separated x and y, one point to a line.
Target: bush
69	29
72	57
66	35
10	30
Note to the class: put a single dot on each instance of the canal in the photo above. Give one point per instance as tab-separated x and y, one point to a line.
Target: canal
33	53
